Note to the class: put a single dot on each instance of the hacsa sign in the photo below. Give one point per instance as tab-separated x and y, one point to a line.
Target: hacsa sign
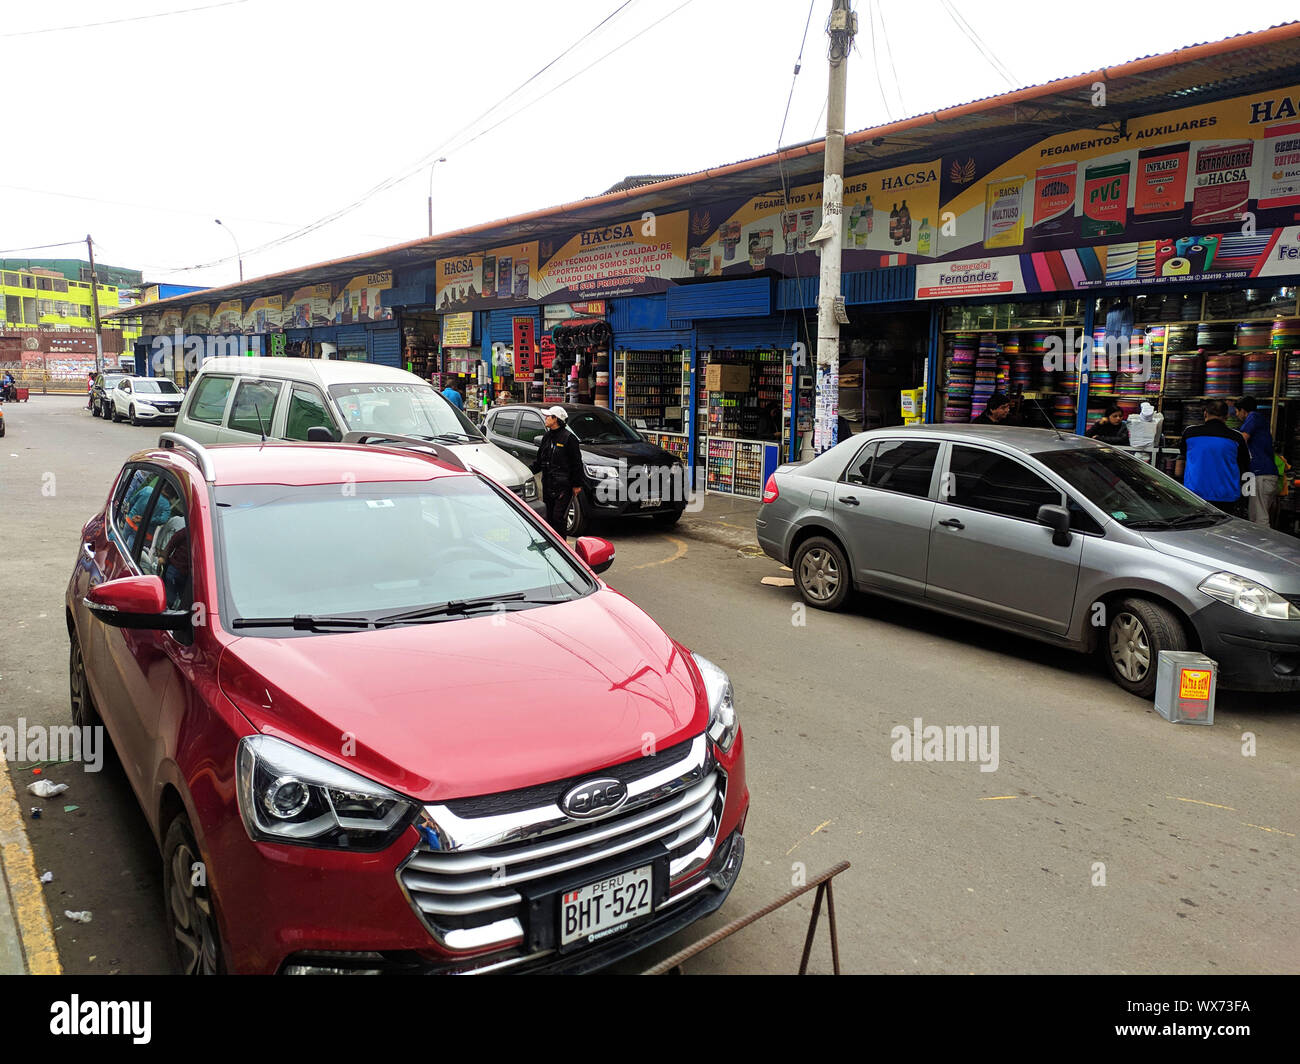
630	257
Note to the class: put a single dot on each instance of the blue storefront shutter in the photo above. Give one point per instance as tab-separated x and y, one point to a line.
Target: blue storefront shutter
501	324
726	299
386	347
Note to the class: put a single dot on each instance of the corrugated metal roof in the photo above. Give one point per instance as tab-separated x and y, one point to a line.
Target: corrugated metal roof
1195	74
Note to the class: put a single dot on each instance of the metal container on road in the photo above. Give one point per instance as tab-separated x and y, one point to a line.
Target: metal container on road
1185	685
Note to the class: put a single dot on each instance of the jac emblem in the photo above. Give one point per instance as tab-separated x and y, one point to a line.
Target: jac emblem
594	798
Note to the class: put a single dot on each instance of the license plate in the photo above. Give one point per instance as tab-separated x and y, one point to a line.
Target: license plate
601	909
652	501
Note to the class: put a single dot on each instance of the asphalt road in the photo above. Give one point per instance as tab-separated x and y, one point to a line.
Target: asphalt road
954	869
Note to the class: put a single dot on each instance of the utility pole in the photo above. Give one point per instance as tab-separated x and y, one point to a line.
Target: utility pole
830	303
435	163
94	307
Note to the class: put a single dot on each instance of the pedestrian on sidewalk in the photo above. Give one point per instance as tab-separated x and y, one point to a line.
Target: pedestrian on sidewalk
559	460
1213	459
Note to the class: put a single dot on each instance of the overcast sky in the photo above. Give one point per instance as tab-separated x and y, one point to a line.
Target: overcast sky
273	114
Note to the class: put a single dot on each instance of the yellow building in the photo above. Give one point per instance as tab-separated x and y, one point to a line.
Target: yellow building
40	298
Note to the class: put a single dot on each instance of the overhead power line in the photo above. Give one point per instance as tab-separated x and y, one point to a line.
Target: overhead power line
875	59
798	63
118	21
415	168
884	34
41	247
153	208
980	46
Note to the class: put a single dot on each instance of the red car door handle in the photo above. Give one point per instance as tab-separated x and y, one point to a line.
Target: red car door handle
952	522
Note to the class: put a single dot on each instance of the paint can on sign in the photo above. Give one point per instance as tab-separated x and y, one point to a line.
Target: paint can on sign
1185	686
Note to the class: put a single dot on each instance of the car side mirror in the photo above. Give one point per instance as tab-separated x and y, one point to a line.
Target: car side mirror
136	602
319	434
596	552
1057	518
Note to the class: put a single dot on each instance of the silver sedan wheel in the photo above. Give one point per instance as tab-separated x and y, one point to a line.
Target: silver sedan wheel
1130	649
819	574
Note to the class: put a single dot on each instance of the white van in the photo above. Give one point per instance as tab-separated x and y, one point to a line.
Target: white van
237	400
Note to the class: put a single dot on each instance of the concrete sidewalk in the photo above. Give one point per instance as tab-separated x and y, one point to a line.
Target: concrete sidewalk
723	519
26	933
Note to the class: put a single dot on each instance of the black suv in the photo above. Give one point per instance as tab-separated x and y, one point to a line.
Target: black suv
626	474
101	402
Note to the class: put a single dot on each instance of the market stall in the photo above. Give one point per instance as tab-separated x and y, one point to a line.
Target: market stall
652	393
744	424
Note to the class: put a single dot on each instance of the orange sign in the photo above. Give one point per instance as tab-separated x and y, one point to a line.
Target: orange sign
1194	683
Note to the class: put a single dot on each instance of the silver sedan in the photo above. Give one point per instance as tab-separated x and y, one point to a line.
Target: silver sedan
1046	534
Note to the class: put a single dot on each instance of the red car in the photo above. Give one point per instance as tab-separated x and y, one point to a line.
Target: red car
381	719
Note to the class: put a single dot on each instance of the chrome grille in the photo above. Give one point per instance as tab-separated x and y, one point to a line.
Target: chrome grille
464	879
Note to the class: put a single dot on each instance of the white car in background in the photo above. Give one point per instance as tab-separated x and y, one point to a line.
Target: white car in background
143	400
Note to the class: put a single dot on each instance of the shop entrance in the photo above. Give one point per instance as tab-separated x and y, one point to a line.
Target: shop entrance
882	355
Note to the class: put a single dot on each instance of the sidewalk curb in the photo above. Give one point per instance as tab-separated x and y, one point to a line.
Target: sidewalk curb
722	533
25	926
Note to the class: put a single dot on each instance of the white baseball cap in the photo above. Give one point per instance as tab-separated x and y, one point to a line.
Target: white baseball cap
556	412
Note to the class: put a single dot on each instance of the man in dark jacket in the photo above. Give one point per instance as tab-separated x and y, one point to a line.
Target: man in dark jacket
1213	458
559	460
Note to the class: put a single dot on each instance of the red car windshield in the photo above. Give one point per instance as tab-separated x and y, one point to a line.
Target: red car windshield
370	550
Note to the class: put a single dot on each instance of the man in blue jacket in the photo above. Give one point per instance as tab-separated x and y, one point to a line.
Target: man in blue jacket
1212	459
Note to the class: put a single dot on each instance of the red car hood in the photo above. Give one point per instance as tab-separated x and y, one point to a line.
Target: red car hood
475	706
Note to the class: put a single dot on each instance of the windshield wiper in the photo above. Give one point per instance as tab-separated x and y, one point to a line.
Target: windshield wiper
454	606
302	622
1181	521
1186	519
454	437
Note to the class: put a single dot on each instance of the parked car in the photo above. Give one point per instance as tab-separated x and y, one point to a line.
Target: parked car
141	399
626	474
1048	535
101	399
237	400
411	693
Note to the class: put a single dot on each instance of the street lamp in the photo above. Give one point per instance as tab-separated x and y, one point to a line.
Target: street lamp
238	254
435	163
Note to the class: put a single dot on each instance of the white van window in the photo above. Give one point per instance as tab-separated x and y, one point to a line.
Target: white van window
254	407
209	401
306	411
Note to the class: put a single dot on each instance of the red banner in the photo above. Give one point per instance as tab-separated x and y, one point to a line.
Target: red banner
523	328
546	350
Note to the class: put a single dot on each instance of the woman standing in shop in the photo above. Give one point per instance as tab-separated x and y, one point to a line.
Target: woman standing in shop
1111	428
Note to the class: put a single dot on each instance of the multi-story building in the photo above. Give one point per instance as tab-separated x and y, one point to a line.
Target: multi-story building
47	321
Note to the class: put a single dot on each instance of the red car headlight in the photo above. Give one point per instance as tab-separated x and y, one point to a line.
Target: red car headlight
289	795
724	724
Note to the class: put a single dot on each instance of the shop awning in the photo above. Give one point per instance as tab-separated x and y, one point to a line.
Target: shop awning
1190	76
